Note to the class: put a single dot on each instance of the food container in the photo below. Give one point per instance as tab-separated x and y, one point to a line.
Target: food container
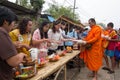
42	64
26	72
42	53
75	46
34	53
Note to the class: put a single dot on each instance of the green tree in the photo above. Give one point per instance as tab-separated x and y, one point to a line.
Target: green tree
24	3
102	25
37	5
56	11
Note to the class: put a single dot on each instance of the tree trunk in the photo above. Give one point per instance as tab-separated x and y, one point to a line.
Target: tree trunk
17	2
38	15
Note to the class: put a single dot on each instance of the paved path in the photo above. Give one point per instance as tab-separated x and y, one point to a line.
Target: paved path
74	74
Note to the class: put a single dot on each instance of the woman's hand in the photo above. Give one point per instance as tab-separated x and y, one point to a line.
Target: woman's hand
22	45
18	44
46	40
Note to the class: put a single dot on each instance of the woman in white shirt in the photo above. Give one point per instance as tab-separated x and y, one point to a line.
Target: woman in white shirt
55	36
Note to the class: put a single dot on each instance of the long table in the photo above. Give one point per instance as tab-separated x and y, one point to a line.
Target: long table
52	67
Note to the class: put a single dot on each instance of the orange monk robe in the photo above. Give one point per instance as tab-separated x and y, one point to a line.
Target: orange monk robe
93	57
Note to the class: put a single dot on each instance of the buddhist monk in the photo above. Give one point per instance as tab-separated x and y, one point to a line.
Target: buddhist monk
92	55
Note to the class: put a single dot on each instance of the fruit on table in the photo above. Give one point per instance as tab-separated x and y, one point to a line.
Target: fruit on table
69	48
41	64
57	57
17	73
42	59
63	53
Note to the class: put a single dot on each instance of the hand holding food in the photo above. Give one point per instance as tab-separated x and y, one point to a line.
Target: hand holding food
80	41
46	40
105	37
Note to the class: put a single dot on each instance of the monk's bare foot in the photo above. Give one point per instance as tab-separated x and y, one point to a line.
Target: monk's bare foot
95	78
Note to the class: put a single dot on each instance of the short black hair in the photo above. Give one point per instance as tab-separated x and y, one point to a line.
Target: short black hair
92	20
110	24
7	15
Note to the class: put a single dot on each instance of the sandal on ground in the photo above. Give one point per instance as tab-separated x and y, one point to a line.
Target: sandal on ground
105	68
111	72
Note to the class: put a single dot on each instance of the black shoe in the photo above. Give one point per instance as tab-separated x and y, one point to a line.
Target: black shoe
105	68
111	72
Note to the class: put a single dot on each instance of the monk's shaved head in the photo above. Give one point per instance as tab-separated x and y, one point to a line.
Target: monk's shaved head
92	22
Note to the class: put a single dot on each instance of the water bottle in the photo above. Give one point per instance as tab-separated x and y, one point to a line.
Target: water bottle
20	38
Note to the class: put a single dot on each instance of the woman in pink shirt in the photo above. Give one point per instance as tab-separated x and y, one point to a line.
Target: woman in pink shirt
40	38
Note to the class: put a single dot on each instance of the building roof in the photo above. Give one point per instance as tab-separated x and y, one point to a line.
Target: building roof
69	20
19	10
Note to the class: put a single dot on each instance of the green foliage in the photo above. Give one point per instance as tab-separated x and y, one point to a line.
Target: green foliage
56	11
102	25
42	19
24	3
37	4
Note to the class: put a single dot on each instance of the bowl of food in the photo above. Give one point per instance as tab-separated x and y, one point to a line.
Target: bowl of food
54	58
69	49
62	53
26	72
41	63
28	62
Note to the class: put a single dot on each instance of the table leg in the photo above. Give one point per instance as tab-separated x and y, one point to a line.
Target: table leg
65	72
59	72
